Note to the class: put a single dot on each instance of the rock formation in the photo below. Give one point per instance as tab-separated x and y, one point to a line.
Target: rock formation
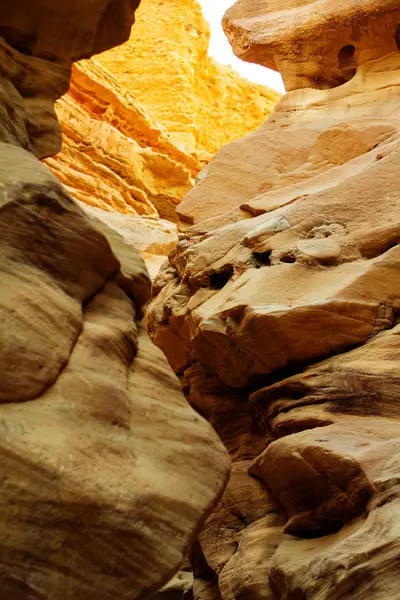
202	104
294	38
116	160
280	310
107	474
139	125
113	156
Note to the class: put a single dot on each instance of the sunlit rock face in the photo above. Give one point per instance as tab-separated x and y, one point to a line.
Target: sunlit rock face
140	121
113	156
202	104
118	163
107	473
280	311
313	43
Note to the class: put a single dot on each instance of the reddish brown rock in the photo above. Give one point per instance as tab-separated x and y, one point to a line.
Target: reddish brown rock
69	29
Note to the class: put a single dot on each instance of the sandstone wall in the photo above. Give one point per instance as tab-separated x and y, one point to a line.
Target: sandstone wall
106	472
165	63
141	121
280	311
113	156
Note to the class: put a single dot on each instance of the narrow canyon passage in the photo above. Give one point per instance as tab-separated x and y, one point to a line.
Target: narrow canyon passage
199	302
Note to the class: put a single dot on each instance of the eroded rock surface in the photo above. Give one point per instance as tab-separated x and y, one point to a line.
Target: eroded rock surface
115	159
280	310
113	156
165	63
107	473
39	41
139	125
313	43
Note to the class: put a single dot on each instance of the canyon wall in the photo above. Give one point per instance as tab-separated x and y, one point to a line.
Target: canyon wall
117	162
280	311
107	474
203	105
140	122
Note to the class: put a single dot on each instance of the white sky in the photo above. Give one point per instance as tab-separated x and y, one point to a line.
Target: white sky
221	50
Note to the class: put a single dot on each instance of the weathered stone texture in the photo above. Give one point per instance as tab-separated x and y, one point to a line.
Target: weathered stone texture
202	104
107	473
280	310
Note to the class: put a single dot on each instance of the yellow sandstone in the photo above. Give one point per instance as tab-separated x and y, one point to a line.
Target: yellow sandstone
202	104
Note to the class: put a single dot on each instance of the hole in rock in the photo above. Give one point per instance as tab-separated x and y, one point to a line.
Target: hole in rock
347	61
288	258
397	36
262	259
347	56
220	279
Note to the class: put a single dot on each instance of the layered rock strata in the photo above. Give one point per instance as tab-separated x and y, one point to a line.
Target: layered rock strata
280	310
107	474
139	125
113	156
202	104
117	161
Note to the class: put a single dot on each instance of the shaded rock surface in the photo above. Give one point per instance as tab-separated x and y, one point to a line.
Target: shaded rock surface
280	310
152	237
107	473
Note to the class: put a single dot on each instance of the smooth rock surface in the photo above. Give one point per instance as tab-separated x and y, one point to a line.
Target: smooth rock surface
70	29
92	506
152	237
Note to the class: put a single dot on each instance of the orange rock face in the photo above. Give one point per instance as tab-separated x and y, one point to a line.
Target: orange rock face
202	104
113	156
280	310
138	124
117	161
